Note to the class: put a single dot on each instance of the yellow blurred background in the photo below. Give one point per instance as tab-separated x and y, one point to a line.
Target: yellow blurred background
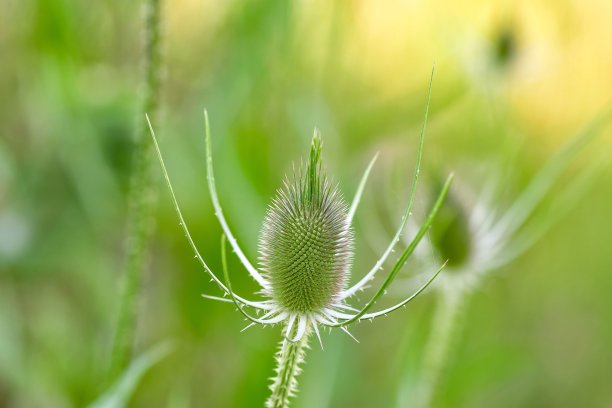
513	81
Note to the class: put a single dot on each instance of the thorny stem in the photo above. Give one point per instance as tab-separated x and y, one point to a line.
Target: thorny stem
446	322
141	195
288	358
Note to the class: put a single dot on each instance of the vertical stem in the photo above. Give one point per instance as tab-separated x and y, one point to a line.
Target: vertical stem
141	195
288	358
446	322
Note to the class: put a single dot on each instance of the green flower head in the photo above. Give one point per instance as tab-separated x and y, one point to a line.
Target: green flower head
306	244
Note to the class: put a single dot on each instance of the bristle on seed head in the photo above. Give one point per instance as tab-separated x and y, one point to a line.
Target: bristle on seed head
306	244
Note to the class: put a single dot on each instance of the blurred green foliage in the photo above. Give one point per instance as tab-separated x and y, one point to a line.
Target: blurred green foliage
512	78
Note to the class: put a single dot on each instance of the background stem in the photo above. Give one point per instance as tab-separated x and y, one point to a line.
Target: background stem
141	195
446	322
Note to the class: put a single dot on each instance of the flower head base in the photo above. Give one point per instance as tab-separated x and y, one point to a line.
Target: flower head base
306	244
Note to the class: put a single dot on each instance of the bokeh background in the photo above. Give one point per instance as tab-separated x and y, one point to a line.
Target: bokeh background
513	78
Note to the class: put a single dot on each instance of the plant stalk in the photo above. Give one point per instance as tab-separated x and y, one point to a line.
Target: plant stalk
141	195
288	358
445	325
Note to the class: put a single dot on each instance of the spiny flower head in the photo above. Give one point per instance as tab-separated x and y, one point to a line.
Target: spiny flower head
306	248
306	244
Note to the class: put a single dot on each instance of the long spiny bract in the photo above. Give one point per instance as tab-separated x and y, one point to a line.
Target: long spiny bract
306	244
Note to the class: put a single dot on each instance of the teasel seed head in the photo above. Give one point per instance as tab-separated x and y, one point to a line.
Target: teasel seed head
306	243
451	233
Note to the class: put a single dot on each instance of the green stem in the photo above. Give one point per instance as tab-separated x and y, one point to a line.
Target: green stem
141	196
288	358
446	323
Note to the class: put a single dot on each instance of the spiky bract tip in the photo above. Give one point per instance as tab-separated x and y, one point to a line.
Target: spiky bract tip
306	244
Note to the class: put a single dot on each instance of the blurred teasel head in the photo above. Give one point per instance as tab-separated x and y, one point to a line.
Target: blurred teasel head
451	233
477	230
306	249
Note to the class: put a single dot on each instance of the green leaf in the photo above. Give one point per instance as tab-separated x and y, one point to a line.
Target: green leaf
119	393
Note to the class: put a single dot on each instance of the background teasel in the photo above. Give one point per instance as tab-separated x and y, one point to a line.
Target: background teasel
475	234
69	91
